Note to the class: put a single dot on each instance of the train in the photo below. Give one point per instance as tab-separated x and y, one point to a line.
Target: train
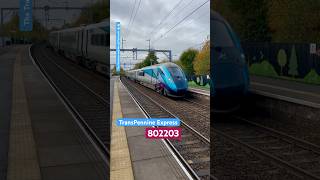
229	70
166	78
88	45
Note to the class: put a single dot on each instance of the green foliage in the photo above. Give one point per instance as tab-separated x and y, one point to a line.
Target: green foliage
201	64
248	18
283	21
186	59
11	29
94	14
179	63
294	21
263	69
312	77
192	84
151	59
282	59
114	72
293	64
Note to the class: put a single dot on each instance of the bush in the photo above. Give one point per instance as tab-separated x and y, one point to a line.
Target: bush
263	69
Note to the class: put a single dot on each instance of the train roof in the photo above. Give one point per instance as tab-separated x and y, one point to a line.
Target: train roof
215	15
167	64
104	23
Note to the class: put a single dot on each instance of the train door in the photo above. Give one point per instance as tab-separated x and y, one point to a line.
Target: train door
78	42
82	36
58	40
86	45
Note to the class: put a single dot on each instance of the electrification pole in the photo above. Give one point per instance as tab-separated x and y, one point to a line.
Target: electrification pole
149	43
122	42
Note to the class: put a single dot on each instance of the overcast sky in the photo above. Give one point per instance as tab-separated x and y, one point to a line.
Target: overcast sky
58	15
190	33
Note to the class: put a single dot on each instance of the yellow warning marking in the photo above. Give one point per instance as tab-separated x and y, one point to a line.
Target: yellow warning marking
121	167
22	160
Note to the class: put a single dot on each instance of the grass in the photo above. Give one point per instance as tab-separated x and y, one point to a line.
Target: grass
192	84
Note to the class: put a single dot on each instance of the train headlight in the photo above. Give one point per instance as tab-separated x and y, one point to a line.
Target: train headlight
243	58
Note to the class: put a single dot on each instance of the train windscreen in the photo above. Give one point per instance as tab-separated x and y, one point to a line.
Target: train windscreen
224	44
175	72
221	35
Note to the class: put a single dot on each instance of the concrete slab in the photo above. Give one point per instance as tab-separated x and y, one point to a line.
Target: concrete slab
158	169
7	59
62	149
135	131
121	167
68	172
142	148
62	155
150	158
287	90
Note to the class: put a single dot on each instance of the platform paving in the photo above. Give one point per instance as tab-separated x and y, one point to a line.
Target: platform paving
46	142
7	59
150	158
296	92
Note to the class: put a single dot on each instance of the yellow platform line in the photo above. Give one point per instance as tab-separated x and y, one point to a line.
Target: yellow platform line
22	161
121	168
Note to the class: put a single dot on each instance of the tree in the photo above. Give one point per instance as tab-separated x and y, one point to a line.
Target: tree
187	58
11	29
294	21
151	59
249	18
276	20
282	59
94	13
201	63
179	63
293	64
114	72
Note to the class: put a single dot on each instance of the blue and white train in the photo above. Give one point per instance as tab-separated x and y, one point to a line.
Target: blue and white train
229	70
167	79
88	45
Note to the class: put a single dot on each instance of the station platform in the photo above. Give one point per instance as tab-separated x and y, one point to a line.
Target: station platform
199	91
132	155
39	137
292	91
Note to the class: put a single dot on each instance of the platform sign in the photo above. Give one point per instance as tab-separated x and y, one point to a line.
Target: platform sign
25	15
118	47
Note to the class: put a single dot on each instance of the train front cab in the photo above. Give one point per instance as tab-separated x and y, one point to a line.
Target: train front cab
228	67
174	80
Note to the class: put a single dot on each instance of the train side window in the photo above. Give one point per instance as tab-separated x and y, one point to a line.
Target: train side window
92	39
101	38
141	73
160	71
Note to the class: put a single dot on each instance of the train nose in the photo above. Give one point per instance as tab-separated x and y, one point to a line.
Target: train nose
181	86
229	85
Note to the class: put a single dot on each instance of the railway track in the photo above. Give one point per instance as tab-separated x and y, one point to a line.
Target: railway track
297	157
193	150
87	105
192	113
96	82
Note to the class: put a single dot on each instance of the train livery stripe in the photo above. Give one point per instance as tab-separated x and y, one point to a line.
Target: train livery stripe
169	81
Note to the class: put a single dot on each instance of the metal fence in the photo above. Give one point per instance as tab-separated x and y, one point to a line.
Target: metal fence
299	57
